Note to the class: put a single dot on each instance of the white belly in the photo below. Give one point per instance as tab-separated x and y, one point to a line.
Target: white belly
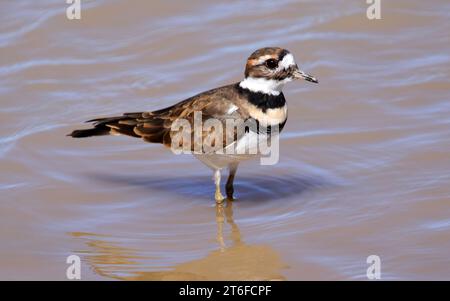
246	148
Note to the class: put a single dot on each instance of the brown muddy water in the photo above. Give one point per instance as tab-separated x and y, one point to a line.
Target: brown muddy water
364	166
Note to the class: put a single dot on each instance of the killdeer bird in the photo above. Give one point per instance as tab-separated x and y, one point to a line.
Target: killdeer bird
258	97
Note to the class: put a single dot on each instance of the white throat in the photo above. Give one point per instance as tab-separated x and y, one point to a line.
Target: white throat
263	85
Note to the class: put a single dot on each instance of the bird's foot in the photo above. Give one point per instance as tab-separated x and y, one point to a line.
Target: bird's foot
219	197
230	197
230	192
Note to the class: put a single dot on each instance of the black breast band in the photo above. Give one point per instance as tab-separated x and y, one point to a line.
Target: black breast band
262	100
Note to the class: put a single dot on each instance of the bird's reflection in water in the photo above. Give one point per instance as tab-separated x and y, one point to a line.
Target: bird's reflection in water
234	260
225	212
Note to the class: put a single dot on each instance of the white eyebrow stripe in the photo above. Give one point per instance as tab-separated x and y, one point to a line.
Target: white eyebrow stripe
287	61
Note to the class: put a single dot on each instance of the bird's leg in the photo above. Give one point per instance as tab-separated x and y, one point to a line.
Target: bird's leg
229	186
218	195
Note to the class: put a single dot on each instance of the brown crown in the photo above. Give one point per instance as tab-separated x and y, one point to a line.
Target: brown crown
256	63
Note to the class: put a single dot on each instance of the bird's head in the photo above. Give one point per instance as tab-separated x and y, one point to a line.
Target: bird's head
269	69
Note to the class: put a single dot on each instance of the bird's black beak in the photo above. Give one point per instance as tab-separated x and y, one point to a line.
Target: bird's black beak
298	74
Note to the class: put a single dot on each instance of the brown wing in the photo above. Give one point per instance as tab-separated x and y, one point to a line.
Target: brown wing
205	114
214	106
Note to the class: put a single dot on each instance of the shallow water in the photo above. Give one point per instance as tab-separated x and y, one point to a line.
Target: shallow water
364	165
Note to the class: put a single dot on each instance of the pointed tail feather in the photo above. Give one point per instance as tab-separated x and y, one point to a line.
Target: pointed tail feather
110	125
97	131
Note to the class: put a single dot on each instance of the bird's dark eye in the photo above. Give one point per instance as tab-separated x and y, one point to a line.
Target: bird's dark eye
271	63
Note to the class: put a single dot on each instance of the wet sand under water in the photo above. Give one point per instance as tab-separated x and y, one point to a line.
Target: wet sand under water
364	164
